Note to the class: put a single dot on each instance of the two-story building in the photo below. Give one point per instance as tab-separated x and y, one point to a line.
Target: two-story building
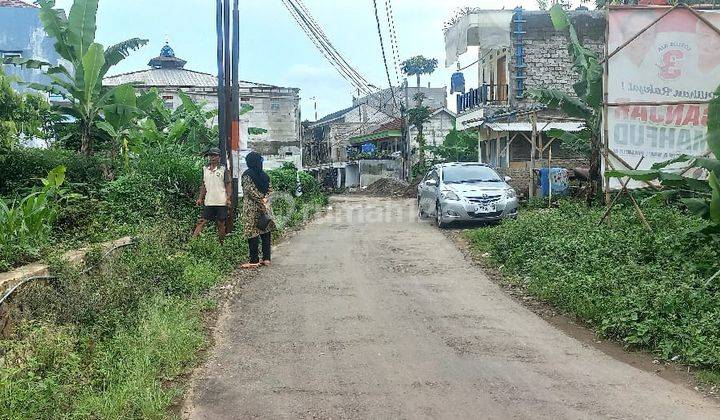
276	109
22	36
519	51
333	145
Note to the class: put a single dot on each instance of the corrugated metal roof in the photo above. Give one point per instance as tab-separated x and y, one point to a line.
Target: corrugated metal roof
333	116
164	77
171	78
16	3
542	126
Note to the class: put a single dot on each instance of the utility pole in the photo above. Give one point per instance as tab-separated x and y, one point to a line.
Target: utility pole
315	106
407	164
228	50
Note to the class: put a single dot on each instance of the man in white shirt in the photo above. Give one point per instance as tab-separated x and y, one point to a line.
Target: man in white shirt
215	194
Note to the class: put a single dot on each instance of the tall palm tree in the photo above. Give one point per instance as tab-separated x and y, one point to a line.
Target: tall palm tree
418	65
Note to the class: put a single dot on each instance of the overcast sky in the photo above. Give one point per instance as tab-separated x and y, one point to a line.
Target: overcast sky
273	48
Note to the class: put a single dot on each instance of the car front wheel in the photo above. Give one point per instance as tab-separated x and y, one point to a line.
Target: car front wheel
421	212
439	216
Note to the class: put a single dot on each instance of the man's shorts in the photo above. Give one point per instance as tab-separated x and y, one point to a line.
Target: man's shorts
215	213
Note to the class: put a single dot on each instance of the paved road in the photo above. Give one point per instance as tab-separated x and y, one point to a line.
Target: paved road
369	314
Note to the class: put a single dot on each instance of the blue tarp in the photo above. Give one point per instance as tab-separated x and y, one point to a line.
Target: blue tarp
558	178
457	83
368	148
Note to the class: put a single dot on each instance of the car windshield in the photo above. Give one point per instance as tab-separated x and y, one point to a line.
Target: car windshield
469	173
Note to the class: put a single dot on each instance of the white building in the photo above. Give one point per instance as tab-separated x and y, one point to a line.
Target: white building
276	109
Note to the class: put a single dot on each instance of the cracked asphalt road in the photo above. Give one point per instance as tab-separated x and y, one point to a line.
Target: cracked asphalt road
368	313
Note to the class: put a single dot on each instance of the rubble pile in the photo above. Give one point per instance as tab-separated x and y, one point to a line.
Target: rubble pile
388	187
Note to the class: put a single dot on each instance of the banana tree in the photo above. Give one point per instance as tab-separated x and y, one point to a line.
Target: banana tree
119	120
81	83
587	102
700	196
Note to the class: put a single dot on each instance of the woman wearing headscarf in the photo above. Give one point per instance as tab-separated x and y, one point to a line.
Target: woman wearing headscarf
256	210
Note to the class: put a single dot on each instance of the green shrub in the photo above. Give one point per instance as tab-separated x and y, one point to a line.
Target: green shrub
26	223
22	168
133	197
284	179
648	290
197	277
173	171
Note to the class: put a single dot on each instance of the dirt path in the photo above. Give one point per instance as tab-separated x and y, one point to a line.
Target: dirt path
369	314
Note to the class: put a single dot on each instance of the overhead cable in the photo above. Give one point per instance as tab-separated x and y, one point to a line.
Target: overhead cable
343	71
301	15
382	49
324	37
393	39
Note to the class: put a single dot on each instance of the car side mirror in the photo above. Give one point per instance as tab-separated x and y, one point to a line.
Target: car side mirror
431	183
508	179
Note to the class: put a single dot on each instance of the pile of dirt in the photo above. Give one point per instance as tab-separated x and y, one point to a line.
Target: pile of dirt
411	190
387	187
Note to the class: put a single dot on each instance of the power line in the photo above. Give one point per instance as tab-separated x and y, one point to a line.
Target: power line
313	30
393	39
382	49
327	41
344	72
318	34
302	22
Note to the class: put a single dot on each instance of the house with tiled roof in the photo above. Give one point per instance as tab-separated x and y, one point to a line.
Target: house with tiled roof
276	109
22	36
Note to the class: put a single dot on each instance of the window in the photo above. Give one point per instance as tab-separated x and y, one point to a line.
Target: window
275	106
11	54
469	173
168	101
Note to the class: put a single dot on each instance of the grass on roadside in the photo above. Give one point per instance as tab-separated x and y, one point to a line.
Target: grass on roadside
108	344
647	290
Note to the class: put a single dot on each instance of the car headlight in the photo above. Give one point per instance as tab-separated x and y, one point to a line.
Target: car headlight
510	193
450	195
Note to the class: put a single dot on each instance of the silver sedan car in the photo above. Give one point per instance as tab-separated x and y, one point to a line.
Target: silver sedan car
465	192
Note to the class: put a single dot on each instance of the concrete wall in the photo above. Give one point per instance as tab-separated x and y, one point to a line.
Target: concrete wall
352	176
546	50
276	111
372	170
435	98
435	130
22	31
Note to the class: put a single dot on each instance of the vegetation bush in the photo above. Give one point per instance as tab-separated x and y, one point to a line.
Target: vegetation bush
125	328
284	179
25	224
649	290
22	168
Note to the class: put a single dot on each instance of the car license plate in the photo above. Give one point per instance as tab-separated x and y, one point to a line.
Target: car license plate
488	208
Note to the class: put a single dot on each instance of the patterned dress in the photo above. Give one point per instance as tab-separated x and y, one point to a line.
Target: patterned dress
253	206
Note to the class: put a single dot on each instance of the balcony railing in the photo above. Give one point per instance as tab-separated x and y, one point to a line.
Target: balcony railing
485	94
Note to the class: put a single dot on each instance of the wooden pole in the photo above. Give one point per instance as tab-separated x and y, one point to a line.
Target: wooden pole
533	143
605	141
638	210
222	144
550	177
623	185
